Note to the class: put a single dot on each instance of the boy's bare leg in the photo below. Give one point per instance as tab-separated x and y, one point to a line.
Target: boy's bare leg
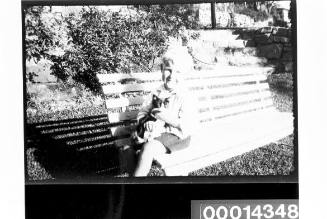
148	152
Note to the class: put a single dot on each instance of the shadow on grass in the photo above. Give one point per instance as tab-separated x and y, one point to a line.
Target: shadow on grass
70	149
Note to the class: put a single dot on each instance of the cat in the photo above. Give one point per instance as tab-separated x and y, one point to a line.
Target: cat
141	135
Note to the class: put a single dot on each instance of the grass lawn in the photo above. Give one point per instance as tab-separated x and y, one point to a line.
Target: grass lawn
272	159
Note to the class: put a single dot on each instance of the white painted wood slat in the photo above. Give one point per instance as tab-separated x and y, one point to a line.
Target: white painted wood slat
228	90
214	113
105	78
224	81
208	83
121	88
207	96
123	102
117	117
225	71
233	99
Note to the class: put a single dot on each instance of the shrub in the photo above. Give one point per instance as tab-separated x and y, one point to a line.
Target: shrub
43	32
256	15
44	35
110	42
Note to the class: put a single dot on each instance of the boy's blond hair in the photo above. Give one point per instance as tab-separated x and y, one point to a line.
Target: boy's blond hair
179	57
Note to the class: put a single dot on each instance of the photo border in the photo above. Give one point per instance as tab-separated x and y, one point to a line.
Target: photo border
291	178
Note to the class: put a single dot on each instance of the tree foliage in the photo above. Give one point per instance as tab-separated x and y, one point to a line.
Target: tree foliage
104	41
42	32
256	10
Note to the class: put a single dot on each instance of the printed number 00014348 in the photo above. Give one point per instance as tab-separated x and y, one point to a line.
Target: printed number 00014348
266	211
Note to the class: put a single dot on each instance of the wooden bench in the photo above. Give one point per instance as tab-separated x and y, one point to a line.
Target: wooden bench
234	109
78	146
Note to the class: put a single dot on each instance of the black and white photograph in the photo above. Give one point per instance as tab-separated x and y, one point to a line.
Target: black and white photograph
163	109
160	92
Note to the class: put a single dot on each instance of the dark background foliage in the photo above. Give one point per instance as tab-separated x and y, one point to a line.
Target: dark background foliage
104	41
92	40
39	36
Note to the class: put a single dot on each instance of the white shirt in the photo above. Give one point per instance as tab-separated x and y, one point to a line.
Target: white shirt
179	107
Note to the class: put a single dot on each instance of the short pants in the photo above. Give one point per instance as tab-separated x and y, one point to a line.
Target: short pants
173	142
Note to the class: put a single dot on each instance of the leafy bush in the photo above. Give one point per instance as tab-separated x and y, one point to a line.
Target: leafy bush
43	32
173	17
110	42
44	35
256	15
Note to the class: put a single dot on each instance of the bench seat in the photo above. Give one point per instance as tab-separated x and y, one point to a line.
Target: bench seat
227	138
233	106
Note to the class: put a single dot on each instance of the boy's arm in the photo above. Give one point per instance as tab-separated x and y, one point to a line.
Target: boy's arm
167	117
184	121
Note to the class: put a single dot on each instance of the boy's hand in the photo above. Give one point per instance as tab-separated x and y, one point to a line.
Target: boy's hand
160	114
166	116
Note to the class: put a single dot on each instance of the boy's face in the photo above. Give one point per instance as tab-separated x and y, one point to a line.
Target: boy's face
169	76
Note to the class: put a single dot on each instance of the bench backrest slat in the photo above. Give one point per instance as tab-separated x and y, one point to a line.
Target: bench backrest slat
124	88
215	95
214	113
209	81
121	116
228	90
209	116
219	102
114	77
228	80
199	94
148	76
124	101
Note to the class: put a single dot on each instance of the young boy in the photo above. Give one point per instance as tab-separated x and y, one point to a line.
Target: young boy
176	114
